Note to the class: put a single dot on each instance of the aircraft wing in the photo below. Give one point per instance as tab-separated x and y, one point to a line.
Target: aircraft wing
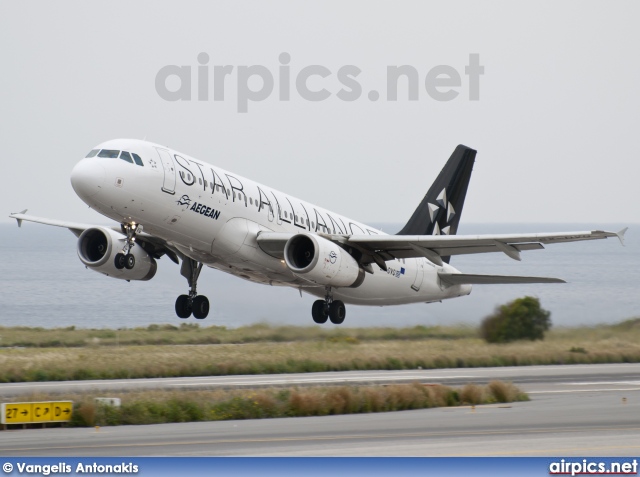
75	227
154	246
437	248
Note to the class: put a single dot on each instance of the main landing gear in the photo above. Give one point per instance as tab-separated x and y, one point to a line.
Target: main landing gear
192	303
125	259
328	308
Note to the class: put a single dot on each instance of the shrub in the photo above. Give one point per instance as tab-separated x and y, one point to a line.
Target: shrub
471	394
520	319
578	349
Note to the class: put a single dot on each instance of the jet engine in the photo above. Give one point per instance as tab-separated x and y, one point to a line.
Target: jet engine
97	249
322	262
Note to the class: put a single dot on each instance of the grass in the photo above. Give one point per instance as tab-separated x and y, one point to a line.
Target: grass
193	334
155	407
261	349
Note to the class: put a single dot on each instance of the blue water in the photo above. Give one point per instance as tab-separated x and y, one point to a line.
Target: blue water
42	283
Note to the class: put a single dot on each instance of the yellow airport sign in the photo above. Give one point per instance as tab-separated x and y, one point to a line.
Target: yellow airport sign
31	412
41	411
16	413
61	410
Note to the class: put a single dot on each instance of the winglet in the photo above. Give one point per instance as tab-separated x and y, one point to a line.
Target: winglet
621	235
22	213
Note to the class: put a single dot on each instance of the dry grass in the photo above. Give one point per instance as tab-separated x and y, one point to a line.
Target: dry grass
192	333
472	394
504	392
154	407
328	351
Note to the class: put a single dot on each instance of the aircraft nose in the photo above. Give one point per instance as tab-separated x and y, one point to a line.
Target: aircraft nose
87	178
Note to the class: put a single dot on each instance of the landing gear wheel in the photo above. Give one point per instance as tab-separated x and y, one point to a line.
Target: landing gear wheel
183	307
125	259
119	261
200	307
337	312
192	303
319	311
129	261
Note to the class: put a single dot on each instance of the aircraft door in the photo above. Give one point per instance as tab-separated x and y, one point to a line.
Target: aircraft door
419	274
169	185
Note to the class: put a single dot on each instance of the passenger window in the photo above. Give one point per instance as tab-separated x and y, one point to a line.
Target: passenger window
109	153
92	153
125	156
251	200
313	225
199	181
137	159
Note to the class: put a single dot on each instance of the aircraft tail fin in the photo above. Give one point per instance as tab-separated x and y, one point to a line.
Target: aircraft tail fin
441	208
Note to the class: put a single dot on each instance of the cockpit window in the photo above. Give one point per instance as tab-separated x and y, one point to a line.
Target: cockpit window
137	159
109	153
125	156
92	153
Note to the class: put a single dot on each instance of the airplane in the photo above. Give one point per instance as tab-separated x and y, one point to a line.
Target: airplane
168	203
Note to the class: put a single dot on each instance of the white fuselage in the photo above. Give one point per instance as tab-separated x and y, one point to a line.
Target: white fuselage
214	216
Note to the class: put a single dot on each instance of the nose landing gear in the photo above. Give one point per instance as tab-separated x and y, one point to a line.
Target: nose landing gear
328	308
192	303
125	259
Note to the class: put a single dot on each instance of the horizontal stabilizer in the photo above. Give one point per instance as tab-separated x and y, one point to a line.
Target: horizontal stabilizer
468	279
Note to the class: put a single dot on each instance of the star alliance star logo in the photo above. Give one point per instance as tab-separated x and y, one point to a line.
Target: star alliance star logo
445	206
184	200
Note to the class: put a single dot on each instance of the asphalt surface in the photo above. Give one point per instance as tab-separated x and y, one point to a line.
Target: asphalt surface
521	375
591	410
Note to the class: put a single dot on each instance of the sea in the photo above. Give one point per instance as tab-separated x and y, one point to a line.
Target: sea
44	284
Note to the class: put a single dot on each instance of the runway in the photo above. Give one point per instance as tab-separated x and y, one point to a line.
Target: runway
591	410
531	378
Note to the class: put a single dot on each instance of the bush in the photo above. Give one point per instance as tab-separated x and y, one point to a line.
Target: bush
520	319
471	394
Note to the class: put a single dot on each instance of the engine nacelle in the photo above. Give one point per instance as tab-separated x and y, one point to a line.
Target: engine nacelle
321	261
97	249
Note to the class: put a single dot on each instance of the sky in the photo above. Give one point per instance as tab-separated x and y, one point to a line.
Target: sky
554	114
